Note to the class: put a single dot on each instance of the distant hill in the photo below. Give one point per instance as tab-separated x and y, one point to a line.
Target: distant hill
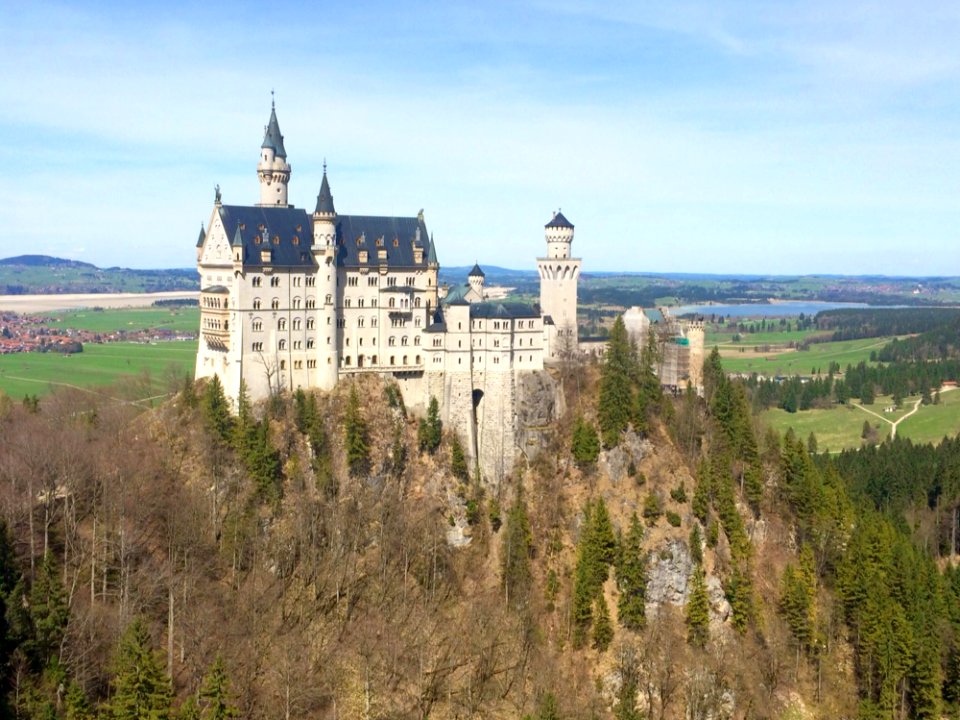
46	275
44	261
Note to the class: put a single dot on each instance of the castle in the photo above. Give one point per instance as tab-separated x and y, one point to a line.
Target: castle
294	300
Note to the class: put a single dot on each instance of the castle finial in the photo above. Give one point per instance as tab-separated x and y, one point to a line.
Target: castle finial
272	101
324	166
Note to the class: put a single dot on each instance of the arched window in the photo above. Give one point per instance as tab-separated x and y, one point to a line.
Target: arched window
393	302
296	323
416	302
310	323
282	345
391	341
403	340
282	324
256	303
275	303
296	303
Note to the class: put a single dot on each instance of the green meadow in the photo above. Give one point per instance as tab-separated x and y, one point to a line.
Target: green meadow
800	362
180	319
933	422
98	366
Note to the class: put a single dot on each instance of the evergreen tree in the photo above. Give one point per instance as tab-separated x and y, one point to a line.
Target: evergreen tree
49	612
355	431
398	452
602	627
189	709
649	393
430	431
458	460
616	392
216	409
548	708
632	578
215	694
698	611
696	544
75	704
515	554
585	445
739	592
141	688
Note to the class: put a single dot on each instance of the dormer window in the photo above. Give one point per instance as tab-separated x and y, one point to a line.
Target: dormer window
256	240
380	241
396	242
276	239
296	240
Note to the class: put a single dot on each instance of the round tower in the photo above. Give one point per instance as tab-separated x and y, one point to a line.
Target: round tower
559	274
325	255
475	279
273	169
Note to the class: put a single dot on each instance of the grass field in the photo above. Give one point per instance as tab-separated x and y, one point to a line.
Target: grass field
182	319
837	428
97	366
800	362
749	340
933	422
840	427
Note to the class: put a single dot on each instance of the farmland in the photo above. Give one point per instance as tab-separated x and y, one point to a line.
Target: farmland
98	366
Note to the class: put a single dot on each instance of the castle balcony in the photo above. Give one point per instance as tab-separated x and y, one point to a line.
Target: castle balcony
396	363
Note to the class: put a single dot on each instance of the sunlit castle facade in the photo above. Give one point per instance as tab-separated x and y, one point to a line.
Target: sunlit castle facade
291	299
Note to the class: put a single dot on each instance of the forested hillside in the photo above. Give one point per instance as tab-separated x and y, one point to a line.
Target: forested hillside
332	556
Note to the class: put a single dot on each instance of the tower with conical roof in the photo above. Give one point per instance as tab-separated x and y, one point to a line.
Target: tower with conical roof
273	168
559	274
325	255
475	278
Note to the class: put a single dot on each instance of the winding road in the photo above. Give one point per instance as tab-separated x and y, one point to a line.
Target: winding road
893	423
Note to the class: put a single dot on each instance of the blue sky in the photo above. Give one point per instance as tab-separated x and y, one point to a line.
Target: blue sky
751	137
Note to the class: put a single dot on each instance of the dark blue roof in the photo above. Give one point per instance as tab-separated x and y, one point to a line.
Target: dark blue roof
203	236
432	254
272	138
476	271
399	235
503	310
559	221
255	228
325	199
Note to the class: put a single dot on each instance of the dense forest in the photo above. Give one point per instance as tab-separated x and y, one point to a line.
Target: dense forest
335	556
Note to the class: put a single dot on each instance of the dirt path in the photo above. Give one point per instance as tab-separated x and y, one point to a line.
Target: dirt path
893	423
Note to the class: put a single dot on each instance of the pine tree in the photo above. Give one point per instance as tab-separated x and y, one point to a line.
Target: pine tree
141	688
458	460
515	554
698	611
696	544
702	491
616	393
602	627
49	612
430	431
585	445
649	393
215	694
632	578
216	409
75	704
355	430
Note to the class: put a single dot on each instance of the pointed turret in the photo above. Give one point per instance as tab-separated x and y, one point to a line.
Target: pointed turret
203	236
237	238
325	198
432	253
475	280
273	169
559	221
272	138
476	271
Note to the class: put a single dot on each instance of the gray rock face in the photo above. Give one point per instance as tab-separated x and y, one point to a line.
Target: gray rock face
668	574
616	462
539	401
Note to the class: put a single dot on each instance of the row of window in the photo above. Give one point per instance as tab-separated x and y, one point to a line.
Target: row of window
504	324
309	303
296	281
215	303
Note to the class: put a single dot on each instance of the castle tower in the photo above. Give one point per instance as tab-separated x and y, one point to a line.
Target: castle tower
273	169
475	279
559	274
325	253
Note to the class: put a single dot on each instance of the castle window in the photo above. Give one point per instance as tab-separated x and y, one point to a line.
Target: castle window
404	359
296	240
372	281
257	325
298	364
256	303
329	299
353	280
416	322
359	322
347	342
310	323
257	347
298	345
296	281
282	324
380	241
311	281
311	364
417	361
391	341
256	240
257	281
310	343
296	323
275	282
403	340
296	303
275	304
341	322
373	321
411	280
393	359
373	360
416	302
391	282
346	302
416	340
437	342
283	363
396	242
282	345
276	238
393	302
359	302
496	343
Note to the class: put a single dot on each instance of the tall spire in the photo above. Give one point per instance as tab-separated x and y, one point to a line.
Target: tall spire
272	138
325	198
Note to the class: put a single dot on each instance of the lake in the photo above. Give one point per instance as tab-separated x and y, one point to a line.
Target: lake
778	309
